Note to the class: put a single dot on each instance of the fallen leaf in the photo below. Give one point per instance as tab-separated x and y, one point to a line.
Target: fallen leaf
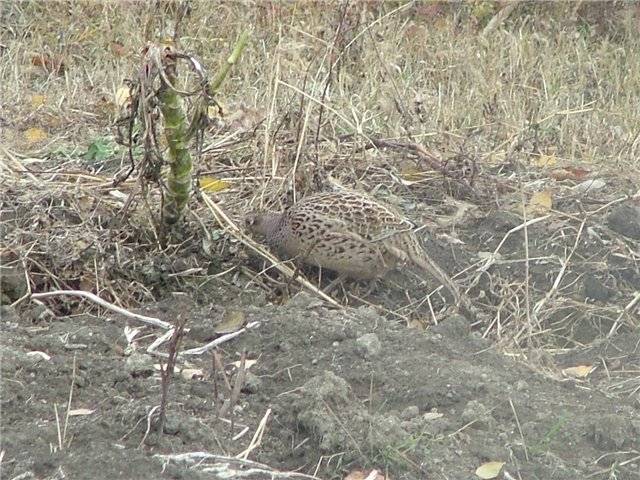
580	371
540	202
80	411
213	112
245	118
34	135
545	161
411	175
50	64
489	470
191	373
247	363
432	416
429	11
38	353
38	100
213	185
118	49
569	173
589	185
416	324
361	475
123	96
232	321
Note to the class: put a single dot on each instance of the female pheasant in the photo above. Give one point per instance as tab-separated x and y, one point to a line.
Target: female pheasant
348	233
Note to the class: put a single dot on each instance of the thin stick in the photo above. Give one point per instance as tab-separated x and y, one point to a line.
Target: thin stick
561	273
524	444
55	409
499	18
219	340
491	260
73	381
627	309
257	437
103	303
230	465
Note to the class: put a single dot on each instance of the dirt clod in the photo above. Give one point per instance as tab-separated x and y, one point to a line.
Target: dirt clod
368	345
625	220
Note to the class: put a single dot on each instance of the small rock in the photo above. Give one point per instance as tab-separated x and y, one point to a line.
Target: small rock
369	314
595	289
171	424
589	185
252	383
8	314
39	313
476	414
368	345
14	283
453	326
625	220
521	385
139	365
410	412
304	301
611	432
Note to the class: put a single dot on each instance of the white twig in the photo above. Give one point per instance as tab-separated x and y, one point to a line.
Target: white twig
257	437
151	349
556	284
218	341
149	421
492	258
73	381
103	303
627	309
230	467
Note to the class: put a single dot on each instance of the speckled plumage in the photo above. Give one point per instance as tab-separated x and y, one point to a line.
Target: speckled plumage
348	233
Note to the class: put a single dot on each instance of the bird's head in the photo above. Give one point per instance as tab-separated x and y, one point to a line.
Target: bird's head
262	224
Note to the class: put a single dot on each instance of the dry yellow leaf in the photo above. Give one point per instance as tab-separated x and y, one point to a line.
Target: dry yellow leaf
540	202
545	161
38	100
362	475
489	470
34	135
123	96
213	112
247	363
213	185
580	371
232	321
412	174
416	324
191	373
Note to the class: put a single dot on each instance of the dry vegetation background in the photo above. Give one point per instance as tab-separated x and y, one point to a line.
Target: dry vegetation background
523	110
519	113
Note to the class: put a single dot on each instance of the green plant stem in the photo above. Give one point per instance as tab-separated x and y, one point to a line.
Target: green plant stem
231	61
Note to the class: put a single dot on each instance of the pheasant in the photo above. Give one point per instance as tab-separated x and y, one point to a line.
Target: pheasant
348	233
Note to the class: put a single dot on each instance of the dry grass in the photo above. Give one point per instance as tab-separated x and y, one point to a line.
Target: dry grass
315	90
